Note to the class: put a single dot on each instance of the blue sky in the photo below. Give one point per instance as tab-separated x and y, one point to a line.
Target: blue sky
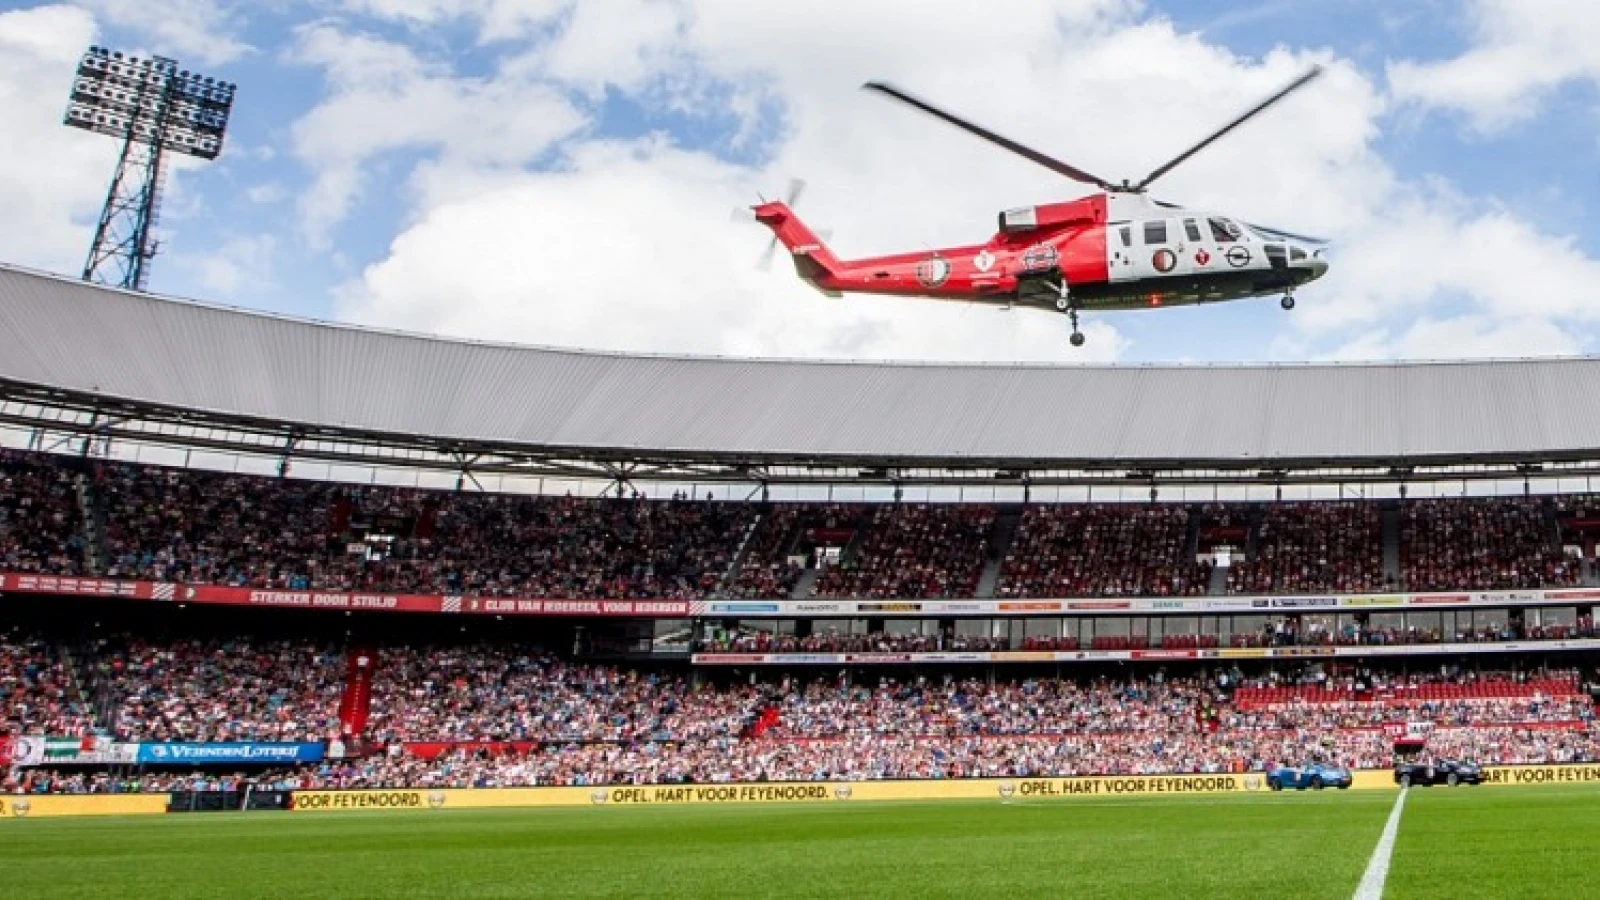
551	173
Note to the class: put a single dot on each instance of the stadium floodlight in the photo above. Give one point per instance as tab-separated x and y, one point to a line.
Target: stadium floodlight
153	107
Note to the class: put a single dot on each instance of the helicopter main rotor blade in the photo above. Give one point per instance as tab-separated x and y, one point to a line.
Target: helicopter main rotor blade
1028	153
1180	159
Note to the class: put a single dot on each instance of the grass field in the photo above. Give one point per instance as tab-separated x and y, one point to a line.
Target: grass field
1467	842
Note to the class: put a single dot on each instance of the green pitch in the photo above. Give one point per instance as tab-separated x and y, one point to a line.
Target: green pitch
1466	842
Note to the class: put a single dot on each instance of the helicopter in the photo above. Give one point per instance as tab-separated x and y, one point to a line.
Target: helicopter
1117	249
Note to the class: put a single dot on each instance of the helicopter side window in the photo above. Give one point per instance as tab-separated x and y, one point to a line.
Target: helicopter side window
1192	230
1155	232
1223	231
1127	235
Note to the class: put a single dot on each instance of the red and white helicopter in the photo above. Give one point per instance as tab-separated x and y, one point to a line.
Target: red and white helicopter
1117	249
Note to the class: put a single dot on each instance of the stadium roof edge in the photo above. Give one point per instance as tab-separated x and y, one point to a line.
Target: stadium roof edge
8	269
96	360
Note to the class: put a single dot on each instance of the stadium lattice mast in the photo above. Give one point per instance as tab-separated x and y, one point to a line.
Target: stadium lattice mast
153	107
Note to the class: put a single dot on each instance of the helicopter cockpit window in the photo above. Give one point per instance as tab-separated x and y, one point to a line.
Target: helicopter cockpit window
1155	232
1224	231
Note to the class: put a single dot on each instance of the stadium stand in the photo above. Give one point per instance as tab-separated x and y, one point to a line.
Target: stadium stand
514	716
1301	547
129	521
244	530
487	693
415	700
41	520
1504	543
36	693
1106	550
915	551
217	690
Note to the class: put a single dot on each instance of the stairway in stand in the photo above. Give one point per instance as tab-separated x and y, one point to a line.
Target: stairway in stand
357	700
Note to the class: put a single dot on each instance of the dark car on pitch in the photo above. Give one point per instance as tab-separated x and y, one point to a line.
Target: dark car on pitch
1445	771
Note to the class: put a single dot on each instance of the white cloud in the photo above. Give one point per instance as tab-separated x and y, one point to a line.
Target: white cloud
1464	337
264	193
1425	252
240	264
628	246
54	177
384	97
193	31
1522	50
497	20
615	42
632	248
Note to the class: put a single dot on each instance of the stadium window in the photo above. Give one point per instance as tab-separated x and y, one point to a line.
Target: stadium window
1249	624
974	627
1112	627
1041	628
1426	621
1177	625
1155	232
1490	619
1555	615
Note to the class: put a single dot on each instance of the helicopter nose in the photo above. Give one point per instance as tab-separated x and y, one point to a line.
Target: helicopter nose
1310	264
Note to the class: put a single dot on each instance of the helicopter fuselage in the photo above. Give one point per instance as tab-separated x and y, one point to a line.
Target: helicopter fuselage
1102	252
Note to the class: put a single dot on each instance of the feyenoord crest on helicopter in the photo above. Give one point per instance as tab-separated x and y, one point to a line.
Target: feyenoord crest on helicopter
1117	249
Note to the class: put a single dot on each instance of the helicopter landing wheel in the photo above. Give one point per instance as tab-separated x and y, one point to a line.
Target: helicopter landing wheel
1287	302
1077	336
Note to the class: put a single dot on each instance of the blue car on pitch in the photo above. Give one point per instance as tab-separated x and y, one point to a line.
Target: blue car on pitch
1311	775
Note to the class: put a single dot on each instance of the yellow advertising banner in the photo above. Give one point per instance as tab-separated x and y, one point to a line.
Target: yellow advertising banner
815	792
1526	775
37	806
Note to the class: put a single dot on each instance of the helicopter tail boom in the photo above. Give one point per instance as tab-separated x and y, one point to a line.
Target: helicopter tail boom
812	259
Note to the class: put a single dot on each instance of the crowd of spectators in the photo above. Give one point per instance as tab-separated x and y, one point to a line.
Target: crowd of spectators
208	527
1109	550
1507	543
41	521
574	724
879	757
915	550
495	693
770	568
102	781
1305	547
194	526
218	690
37	695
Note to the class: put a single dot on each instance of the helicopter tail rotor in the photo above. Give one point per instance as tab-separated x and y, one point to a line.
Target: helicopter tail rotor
797	187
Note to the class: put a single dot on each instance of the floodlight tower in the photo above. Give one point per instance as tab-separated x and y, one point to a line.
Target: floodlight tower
152	107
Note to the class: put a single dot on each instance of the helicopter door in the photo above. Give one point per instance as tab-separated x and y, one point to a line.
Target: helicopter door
1121	251
1199	253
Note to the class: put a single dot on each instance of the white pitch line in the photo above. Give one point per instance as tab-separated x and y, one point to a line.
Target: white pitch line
1371	887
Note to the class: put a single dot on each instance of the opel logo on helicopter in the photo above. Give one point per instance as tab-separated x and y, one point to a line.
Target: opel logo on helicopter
1059	256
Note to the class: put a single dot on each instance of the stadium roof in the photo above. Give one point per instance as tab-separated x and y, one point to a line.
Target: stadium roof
77	356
